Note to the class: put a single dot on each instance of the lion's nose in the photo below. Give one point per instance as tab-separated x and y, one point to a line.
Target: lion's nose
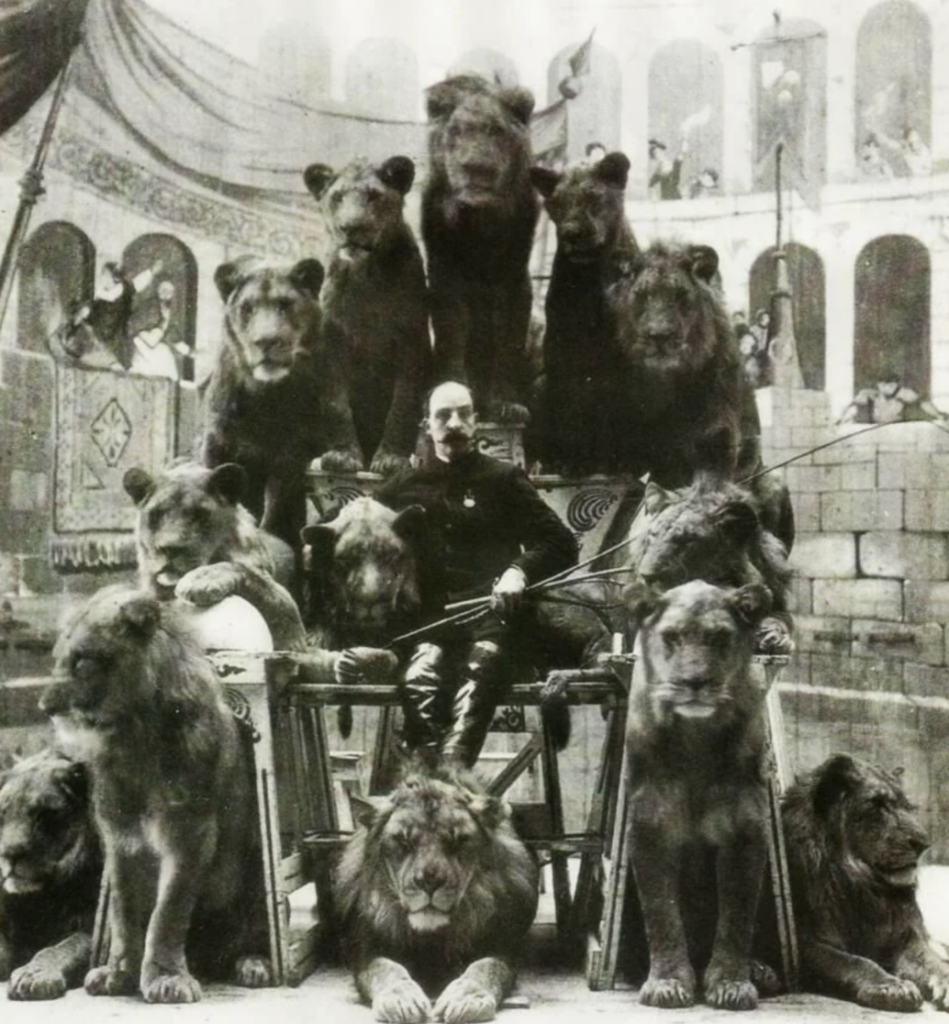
428	878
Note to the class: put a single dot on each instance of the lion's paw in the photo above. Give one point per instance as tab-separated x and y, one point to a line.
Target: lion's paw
365	665
386	463
209	584
773	637
36	981
555	686
501	411
465	1002
402	1002
732	995
667	993
110	981
342	461
765	980
253	972
897	995
180	987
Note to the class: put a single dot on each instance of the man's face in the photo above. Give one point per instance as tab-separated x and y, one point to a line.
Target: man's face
451	420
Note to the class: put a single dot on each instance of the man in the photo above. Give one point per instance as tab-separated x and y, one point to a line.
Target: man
664	174
490	532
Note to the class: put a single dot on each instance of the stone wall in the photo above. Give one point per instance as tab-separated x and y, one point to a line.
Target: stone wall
871	594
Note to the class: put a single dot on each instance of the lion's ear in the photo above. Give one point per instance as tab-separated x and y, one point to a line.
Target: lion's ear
751	603
703	261
442	98
656	498
519	101
229	482
307	275
398	172
613	170
545	180
491	811
835	777
641	599
228	276
139	486
320	538
140	615
367	809
318	178
410	523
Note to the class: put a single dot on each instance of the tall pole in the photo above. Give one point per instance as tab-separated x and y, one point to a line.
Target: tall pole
786	369
31	188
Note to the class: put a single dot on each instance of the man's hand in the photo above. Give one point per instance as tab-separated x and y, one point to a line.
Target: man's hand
508	592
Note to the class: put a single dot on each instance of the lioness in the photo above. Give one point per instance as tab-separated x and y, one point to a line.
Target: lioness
437	894
696	751
134	699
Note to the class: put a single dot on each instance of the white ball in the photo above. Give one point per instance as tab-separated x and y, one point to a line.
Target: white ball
230	625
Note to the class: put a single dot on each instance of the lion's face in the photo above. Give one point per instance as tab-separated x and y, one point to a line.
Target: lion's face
695	533
188	516
437	854
869	818
363	564
479	137
272	314
46	833
99	673
586	206
363	203
666	312
697	642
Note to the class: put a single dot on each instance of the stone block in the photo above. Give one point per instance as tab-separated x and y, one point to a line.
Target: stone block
926	509
926	601
822	634
28	491
909	470
801	599
825	555
807	512
925	681
862	510
858	476
868	599
840	671
803	479
923	643
923	556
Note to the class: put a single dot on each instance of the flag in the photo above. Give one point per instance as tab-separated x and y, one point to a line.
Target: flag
580	60
549	132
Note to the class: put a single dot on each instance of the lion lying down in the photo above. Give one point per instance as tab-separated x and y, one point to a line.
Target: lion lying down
853	846
436	895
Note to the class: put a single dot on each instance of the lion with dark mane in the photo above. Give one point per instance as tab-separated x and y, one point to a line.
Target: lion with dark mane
696	746
713	530
687	403
437	895
173	795
853	845
50	866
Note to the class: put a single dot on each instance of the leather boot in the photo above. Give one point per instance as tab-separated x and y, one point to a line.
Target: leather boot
419	691
482	681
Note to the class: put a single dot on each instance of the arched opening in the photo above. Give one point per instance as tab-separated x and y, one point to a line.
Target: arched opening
686	88
57	273
892	314
893	91
161	330
382	78
808	298
789	95
490	64
594	113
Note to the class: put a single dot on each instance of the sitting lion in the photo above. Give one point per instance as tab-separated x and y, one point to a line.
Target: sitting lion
437	895
697	754
173	795
713	531
50	867
853	846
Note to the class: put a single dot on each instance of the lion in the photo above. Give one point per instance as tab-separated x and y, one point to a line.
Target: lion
479	211
50	869
713	531
375	308
853	845
135	700
436	895
195	540
274	400
696	746
583	396
687	405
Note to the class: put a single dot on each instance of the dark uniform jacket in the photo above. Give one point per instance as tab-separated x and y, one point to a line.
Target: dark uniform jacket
483	516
